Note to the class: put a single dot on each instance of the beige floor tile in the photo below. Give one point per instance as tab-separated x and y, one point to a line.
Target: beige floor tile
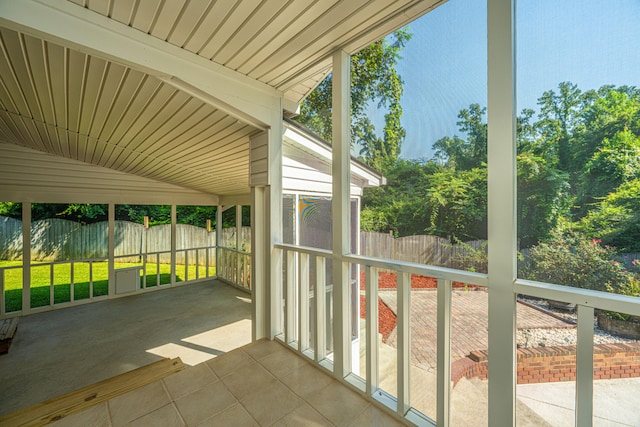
262	348
189	380
269	405
304	415
307	380
234	416
375	417
247	379
229	362
282	362
96	415
136	403
210	400
167	416
337	403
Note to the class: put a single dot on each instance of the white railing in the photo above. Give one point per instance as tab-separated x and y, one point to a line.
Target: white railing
234	267
51	265
586	302
199	264
311	336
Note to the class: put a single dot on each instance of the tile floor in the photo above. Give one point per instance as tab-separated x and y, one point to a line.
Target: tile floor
260	384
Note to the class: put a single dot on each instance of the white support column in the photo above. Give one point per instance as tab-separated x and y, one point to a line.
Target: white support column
258	268
26	257
174	219
111	218
584	367
340	211
238	242
218	238
274	222
502	210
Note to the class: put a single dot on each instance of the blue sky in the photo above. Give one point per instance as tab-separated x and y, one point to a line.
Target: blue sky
590	43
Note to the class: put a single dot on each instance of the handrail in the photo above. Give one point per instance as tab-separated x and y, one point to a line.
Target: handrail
586	297
468	277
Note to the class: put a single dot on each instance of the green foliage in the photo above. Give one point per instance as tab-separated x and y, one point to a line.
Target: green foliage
470	258
616	218
470	153
543	198
573	259
11	209
373	79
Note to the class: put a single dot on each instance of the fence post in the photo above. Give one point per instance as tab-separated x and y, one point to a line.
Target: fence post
173	243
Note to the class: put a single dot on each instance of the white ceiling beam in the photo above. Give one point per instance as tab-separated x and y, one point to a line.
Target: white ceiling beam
78	28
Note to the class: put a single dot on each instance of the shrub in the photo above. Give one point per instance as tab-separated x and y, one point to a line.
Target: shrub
571	259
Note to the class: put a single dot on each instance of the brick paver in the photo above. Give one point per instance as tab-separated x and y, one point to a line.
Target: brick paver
469	323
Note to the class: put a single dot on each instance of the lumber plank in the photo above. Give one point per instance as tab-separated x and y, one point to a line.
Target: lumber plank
61	406
8	328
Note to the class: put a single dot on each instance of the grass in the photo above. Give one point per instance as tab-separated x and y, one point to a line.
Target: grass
41	279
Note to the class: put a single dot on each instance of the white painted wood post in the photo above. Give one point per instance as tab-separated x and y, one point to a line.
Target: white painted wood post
404	341
218	238
111	250
320	341
584	367
502	210
340	212
174	218
274	223
26	257
371	321
238	243
443	394
258	268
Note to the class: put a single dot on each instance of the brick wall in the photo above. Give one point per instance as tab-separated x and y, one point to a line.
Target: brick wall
552	364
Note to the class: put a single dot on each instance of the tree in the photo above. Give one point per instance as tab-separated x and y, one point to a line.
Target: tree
559	117
373	79
470	153
616	218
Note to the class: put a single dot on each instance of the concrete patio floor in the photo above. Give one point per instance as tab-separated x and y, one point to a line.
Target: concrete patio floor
63	350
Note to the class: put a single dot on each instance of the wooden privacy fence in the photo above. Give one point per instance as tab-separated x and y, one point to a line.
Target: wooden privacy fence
421	249
59	239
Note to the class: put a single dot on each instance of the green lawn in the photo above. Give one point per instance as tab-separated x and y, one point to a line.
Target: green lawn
41	278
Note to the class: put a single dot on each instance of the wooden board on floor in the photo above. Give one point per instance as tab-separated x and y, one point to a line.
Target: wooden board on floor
8	329
59	407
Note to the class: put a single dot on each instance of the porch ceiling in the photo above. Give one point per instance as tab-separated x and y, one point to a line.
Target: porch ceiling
92	102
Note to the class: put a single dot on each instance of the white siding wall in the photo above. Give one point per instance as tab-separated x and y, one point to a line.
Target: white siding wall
259	162
304	172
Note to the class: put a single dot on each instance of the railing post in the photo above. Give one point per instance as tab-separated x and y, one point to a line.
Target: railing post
174	229
290	298
404	341
72	290
303	302
584	367
320	343
238	241
371	321
26	257
2	303
444	353
52	285
111	251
